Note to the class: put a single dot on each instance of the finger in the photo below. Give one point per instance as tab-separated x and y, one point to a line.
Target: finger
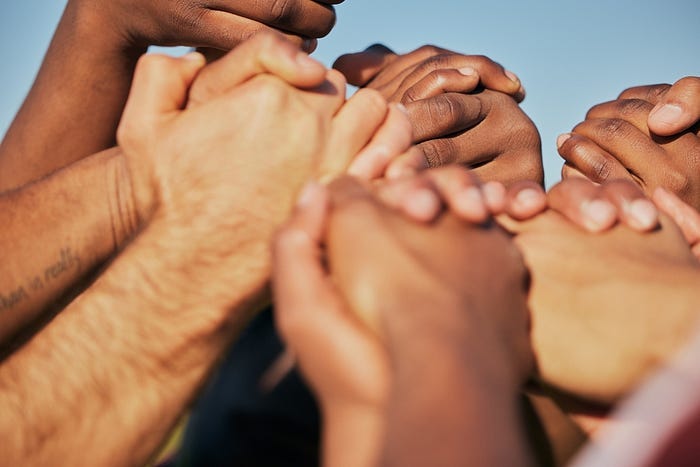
361	67
569	171
634	111
582	203
461	191
589	159
329	97
442	81
352	129
651	93
626	144
160	86
267	52
491	74
298	274
391	140
684	215
444	115
634	209
409	163
415	196
305	18
678	109
222	30
510	167
524	200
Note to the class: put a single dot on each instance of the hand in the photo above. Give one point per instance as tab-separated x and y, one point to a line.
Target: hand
344	363
587	288
433	82
219	24
424	268
615	142
201	169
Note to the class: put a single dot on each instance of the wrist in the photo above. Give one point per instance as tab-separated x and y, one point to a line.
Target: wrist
124	211
94	23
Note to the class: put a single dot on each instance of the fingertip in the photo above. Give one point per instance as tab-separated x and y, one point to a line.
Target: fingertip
470	204
642	214
527	202
494	196
563	138
422	204
598	215
667	119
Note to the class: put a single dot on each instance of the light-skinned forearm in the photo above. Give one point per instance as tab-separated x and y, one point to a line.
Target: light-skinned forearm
56	231
76	101
104	382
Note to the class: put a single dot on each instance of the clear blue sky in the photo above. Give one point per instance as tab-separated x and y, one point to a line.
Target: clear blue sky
569	54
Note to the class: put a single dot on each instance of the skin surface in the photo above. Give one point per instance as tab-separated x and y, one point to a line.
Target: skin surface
616	141
74	106
80	216
131	352
570	296
458	330
84	213
463	109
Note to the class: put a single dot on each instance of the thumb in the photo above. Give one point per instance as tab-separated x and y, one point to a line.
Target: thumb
679	108
361	67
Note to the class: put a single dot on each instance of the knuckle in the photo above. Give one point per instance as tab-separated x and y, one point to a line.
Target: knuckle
632	107
677	181
268	91
282	12
688	82
436	152
654	93
426	51
443	108
613	128
437	62
373	100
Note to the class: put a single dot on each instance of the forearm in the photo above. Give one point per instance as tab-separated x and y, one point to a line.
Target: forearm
57	231
450	406
75	104
352	436
120	364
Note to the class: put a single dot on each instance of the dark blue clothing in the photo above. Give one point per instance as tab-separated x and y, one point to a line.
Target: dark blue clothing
234	424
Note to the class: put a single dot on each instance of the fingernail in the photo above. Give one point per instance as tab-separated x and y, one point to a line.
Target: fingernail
643	212
194	57
495	194
423	203
513	77
471	201
668	113
307	194
528	198
467	71
598	214
563	138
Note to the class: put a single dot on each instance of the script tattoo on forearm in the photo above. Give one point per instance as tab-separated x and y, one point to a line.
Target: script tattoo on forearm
67	260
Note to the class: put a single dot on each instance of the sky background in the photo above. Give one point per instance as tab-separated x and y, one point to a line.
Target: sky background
569	54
